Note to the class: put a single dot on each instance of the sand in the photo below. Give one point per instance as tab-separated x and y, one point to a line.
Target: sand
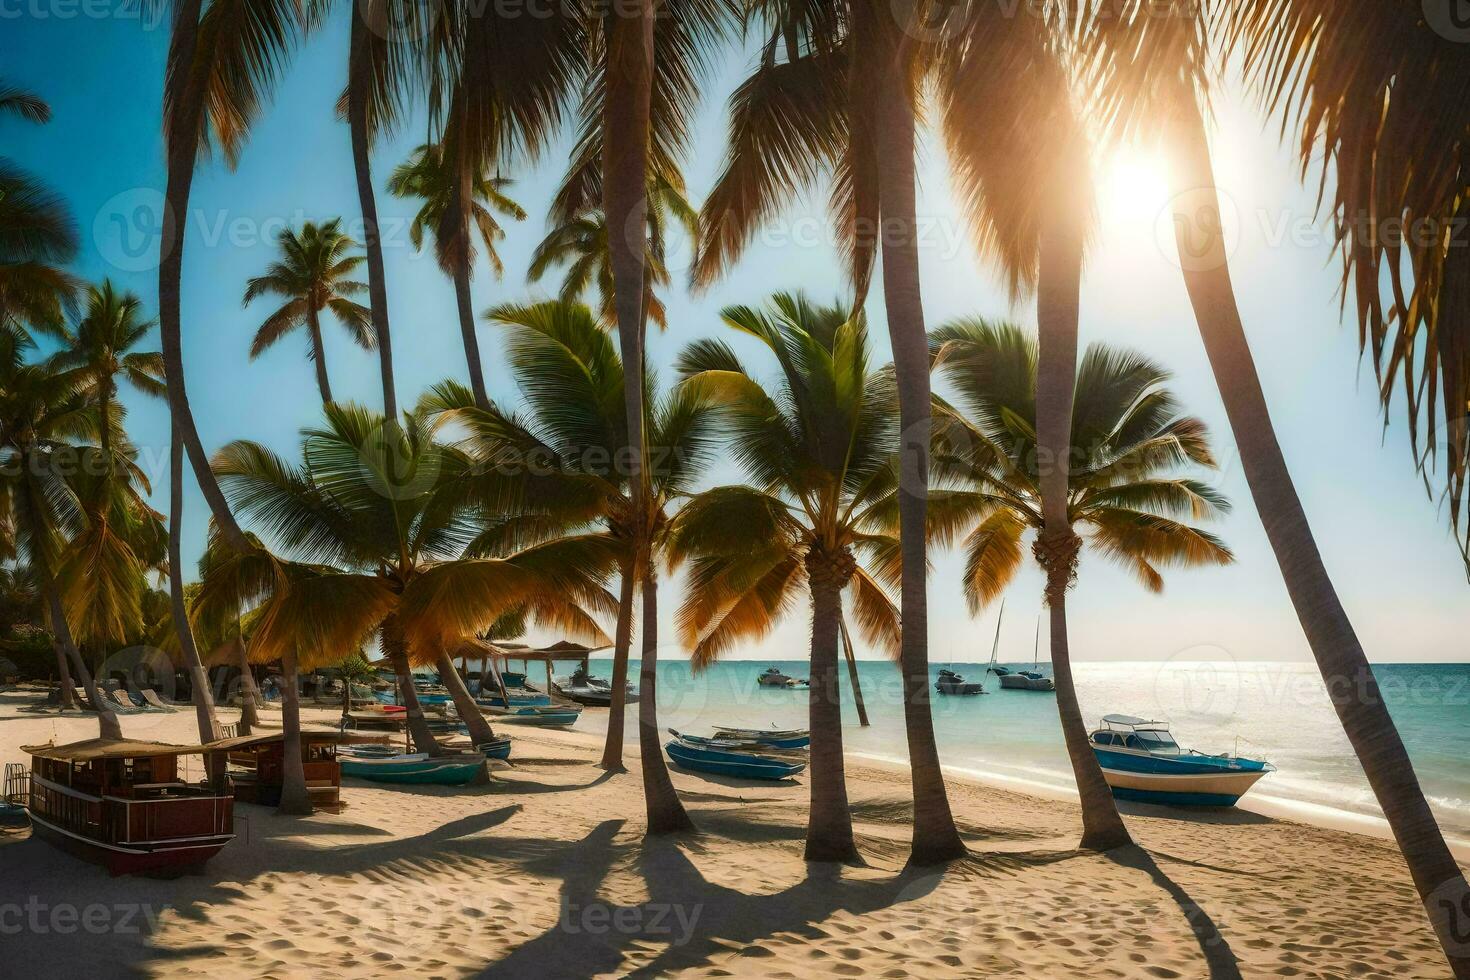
544	873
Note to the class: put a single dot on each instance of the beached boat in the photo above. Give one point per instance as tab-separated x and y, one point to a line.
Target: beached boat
792	738
413	768
582	688
723	762
951	683
736	743
122	804
257	767
546	716
383	717
1142	762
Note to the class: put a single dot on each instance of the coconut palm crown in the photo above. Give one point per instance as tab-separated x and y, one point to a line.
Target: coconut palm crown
1127	496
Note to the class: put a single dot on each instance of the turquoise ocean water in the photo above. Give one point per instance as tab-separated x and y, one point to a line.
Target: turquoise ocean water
1276	711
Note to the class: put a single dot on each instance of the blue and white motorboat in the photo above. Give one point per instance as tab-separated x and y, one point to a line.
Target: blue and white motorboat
723	762
1142	763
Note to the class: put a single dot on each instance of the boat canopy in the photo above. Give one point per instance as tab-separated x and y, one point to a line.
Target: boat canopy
1129	721
95	749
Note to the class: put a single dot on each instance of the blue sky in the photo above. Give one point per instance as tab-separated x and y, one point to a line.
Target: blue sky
1384	541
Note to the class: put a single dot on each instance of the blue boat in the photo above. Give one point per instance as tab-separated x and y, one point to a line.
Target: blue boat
1141	762
497	749
721	762
415	768
546	716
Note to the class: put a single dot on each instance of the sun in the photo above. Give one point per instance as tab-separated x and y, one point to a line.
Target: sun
1133	185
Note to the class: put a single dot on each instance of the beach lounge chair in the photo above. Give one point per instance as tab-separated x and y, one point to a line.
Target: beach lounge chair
121	699
151	697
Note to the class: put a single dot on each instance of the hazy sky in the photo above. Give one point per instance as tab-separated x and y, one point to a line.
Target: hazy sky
1384	542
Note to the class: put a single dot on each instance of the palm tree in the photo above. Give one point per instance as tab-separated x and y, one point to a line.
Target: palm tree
561	468
312	277
425	177
371	524
819	452
104	350
36	235
1150	75
1365	85
581	244
835	91
43	419
1123	492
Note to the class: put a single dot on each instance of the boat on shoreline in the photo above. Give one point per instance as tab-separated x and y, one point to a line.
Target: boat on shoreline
792	738
1142	763
417	768
124	804
725	762
546	716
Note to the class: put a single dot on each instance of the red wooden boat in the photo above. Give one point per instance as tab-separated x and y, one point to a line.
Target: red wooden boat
121	804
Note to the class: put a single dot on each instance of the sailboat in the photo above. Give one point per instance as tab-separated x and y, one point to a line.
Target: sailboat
1026	680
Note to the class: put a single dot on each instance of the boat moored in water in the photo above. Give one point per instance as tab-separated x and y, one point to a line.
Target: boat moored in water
594	692
951	683
1141	762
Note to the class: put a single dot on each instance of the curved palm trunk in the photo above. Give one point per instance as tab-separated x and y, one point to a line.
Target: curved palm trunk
852	670
1058	302
107	719
469	712
418	727
612	749
935	837
319	355
829	821
666	814
1350	682
295	799
203	700
183	134
359	70
625	123
249	694
63	672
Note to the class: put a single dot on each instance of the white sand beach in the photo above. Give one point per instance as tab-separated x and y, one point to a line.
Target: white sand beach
544	873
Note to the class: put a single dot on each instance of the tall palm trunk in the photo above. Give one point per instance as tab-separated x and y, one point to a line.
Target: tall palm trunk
625	122
469	712
935	837
1350	682
418	727
612	749
467	334
249	695
203	701
295	798
359	78
1058	303
829	821
107	719
183	135
852	670
666	814
319	355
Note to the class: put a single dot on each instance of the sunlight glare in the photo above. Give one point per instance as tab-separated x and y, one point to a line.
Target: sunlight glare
1134	187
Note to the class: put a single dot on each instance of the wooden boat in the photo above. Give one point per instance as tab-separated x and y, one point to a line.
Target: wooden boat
258	767
381	718
721	762
547	716
794	738
951	683
122	804
1141	762
414	768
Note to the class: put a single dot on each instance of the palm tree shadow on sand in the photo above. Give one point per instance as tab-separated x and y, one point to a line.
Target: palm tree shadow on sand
1219	957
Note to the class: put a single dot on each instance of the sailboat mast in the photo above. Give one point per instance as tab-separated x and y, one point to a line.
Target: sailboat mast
1036	646
995	647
